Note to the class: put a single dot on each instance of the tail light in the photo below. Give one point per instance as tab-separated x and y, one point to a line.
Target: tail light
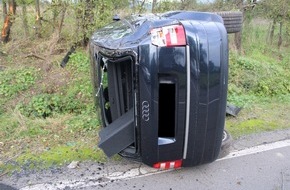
168	165
167	36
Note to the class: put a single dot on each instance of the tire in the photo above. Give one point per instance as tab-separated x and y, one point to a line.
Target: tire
233	20
226	144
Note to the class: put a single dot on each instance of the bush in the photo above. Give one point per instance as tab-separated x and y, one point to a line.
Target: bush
46	105
83	122
75	97
250	79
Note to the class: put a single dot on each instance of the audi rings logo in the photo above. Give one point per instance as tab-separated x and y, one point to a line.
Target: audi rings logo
145	111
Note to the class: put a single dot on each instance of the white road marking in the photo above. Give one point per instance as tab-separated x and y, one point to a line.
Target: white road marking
144	171
257	149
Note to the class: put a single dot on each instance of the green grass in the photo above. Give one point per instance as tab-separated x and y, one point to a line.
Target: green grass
55	156
263	114
259	82
251	126
60	155
46	128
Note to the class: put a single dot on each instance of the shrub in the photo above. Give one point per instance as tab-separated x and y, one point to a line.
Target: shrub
14	81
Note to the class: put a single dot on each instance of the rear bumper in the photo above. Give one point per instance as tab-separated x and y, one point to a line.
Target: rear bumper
165	103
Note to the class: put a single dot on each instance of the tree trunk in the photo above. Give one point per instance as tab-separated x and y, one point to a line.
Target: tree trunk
88	19
24	18
238	41
287	33
62	16
280	36
187	4
9	18
219	4
154	5
4	6
141	7
37	19
239	3
272	32
134	5
238	36
78	22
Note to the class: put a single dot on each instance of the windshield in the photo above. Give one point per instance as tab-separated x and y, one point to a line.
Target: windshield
115	30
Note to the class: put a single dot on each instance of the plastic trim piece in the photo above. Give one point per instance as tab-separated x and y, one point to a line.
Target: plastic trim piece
187	102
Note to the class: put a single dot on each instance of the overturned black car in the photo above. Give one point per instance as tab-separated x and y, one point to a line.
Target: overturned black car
161	86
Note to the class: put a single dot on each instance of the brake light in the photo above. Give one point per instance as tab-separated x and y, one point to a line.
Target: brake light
168	165
173	35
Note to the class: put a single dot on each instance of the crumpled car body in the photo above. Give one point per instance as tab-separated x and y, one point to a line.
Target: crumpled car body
161	84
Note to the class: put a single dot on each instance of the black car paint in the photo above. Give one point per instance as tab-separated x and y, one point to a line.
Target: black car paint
207	45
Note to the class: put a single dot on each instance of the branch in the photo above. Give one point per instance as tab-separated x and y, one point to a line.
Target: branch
3	173
2	53
36	56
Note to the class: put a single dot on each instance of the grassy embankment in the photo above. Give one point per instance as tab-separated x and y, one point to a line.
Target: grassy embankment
260	83
47	115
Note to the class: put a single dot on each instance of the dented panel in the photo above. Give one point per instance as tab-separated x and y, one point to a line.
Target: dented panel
162	101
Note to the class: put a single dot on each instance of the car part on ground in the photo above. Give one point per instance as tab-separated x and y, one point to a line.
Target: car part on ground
232	110
161	83
226	144
67	56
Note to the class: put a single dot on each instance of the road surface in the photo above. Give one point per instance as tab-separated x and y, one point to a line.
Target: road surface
260	162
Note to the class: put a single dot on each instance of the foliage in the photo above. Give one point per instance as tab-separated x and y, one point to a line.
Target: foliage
86	122
251	78
79	63
74	98
261	72
250	126
166	6
43	105
277	10
15	81
264	114
55	156
8	126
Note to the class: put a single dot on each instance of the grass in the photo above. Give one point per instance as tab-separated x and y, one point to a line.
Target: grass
48	116
259	81
56	140
47	113
64	154
264	114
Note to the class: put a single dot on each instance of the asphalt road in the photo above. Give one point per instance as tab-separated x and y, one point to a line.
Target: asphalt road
269	170
259	162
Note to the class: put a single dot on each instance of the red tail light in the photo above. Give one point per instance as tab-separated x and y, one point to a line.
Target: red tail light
173	35
168	165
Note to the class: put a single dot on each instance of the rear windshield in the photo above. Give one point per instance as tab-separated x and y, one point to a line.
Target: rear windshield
115	30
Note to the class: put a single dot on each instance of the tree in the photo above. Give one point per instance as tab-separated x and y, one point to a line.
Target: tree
8	20
4	7
37	19
278	12
187	4
154	2
23	5
59	11
238	35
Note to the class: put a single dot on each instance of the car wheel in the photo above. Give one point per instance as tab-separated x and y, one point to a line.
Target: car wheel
233	20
